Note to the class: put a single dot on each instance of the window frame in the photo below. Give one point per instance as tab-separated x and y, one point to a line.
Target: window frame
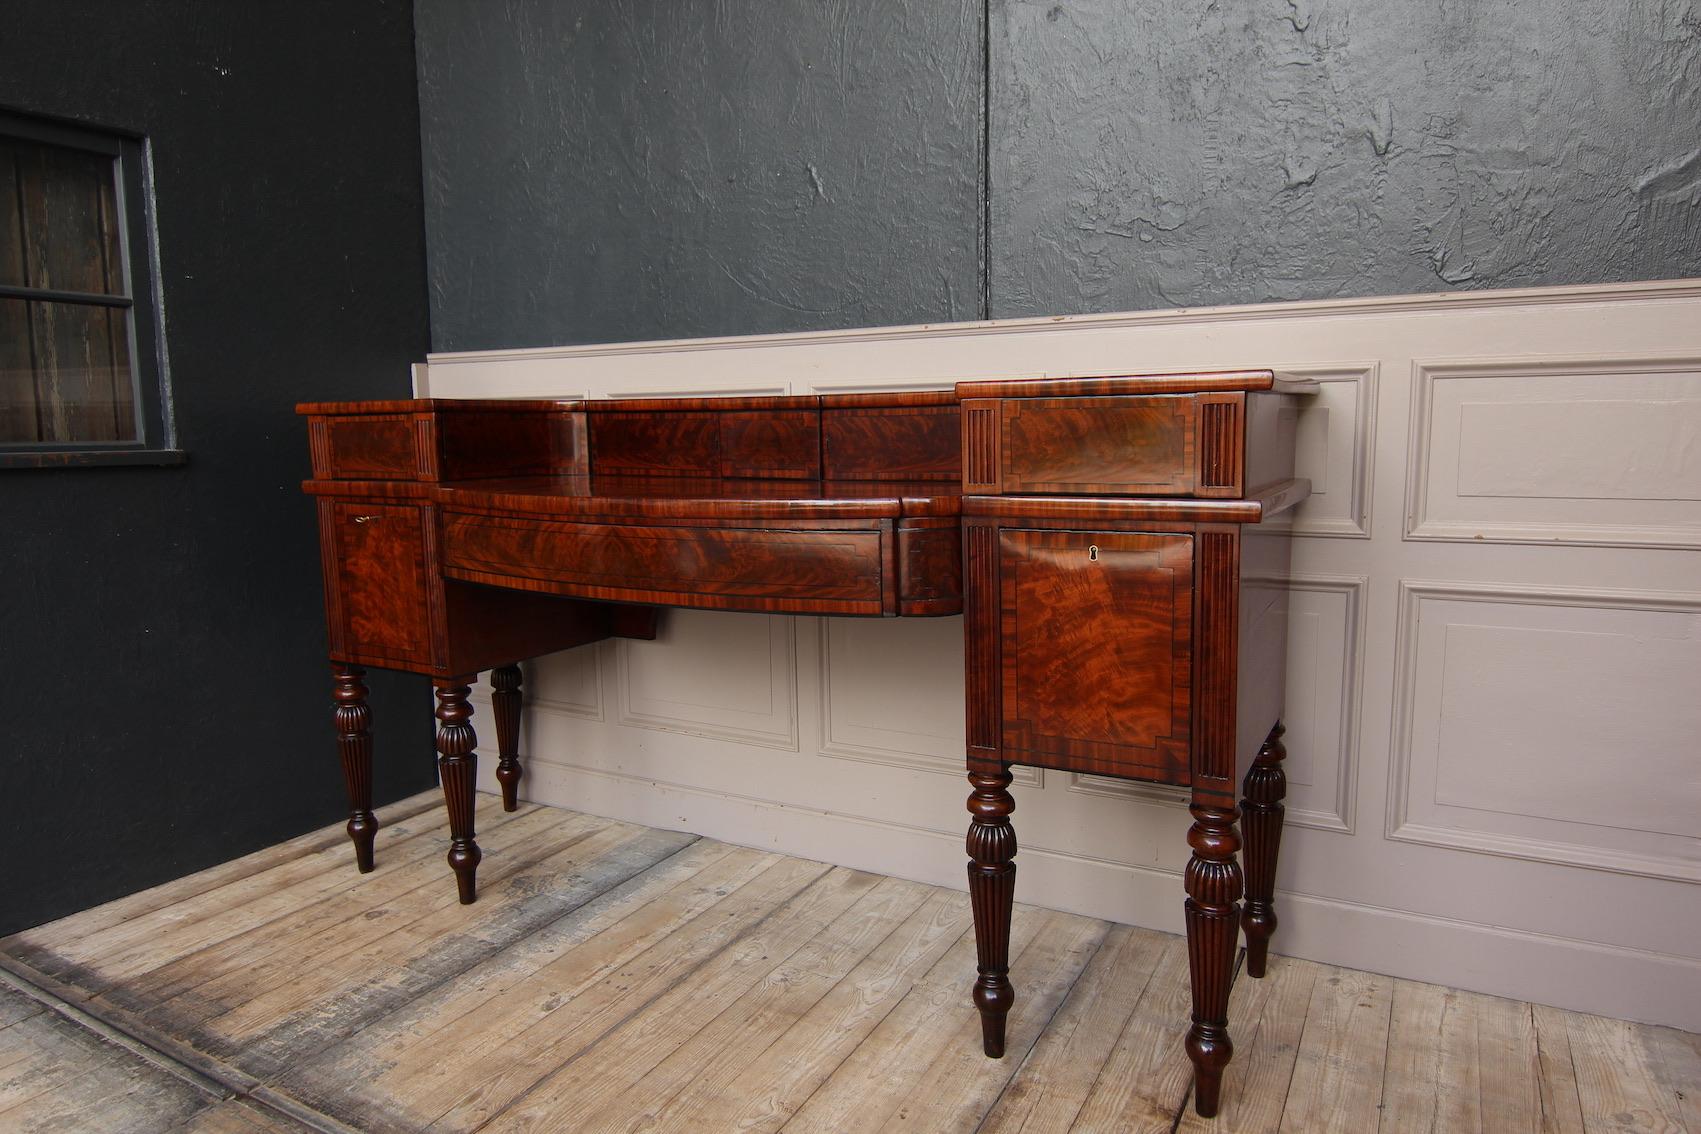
156	441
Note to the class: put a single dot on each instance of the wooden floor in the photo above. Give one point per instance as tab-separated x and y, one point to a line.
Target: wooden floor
614	978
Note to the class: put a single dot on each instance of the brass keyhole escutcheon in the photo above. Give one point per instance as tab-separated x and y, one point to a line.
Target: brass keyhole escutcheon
1093	553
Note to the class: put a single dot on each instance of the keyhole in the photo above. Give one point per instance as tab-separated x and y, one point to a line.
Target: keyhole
1093	553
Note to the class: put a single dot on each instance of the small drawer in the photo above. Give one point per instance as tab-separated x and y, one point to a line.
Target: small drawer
1144	445
812	571
369	447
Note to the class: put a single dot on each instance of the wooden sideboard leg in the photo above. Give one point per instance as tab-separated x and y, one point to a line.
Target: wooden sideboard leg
457	767
354	744
992	887
1266	786
1213	930
505	707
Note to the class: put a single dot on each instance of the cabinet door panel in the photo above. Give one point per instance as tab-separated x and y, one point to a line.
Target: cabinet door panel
381	598
1096	638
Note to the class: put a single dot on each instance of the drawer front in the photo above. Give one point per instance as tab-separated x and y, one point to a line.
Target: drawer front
1168	445
800	571
1096	645
376	586
366	447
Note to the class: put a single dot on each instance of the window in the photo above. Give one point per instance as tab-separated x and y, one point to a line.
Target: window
81	369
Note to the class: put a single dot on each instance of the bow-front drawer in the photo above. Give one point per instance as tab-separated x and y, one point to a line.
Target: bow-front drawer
819	568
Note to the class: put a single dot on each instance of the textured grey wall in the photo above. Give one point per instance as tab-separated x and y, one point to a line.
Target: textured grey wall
161	629
1154	155
649	168
643	168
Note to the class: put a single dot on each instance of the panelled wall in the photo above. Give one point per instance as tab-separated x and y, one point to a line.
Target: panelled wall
1494	664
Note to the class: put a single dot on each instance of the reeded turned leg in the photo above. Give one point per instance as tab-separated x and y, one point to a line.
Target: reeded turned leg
354	744
1261	810
457	767
1213	930
992	887
505	707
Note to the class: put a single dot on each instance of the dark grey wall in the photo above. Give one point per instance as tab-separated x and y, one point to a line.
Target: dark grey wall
644	168
1153	155
165	690
622	169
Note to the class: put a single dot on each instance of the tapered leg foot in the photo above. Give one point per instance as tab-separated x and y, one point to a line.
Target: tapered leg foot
992	887
1262	811
1213	922
354	745
505	707
457	767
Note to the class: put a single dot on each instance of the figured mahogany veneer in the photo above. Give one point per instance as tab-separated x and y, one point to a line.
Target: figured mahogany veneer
1106	538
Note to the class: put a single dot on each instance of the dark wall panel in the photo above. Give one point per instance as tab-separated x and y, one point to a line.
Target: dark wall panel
1155	155
630	169
165	690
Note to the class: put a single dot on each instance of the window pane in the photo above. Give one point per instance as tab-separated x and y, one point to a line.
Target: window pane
58	219
65	373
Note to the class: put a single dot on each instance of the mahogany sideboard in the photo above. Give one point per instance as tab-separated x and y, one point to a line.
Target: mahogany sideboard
1109	541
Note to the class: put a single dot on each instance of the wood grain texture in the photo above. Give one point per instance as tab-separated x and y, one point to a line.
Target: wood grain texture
378	599
930	567
613	978
778	443
1096	651
1100	446
371	447
880	442
1341	1064
824	570
656	443
1194	382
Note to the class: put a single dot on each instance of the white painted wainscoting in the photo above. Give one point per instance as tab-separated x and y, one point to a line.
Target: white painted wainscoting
1494	708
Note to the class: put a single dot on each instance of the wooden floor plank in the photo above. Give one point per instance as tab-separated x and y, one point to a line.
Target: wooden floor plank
615	978
476	1012
905	1037
814	942
1618	1089
1052	1085
776	1080
521	1036
246	985
279	1029
1430	1079
73	1079
141	944
1144	1082
1266	1021
1509	1066
715	980
314	851
962	1084
238	1116
877	1088
1674	1057
1339	1070
15	1006
1561	1106
367	907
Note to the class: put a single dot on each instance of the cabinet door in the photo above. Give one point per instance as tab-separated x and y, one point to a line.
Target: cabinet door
1096	643
376	580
